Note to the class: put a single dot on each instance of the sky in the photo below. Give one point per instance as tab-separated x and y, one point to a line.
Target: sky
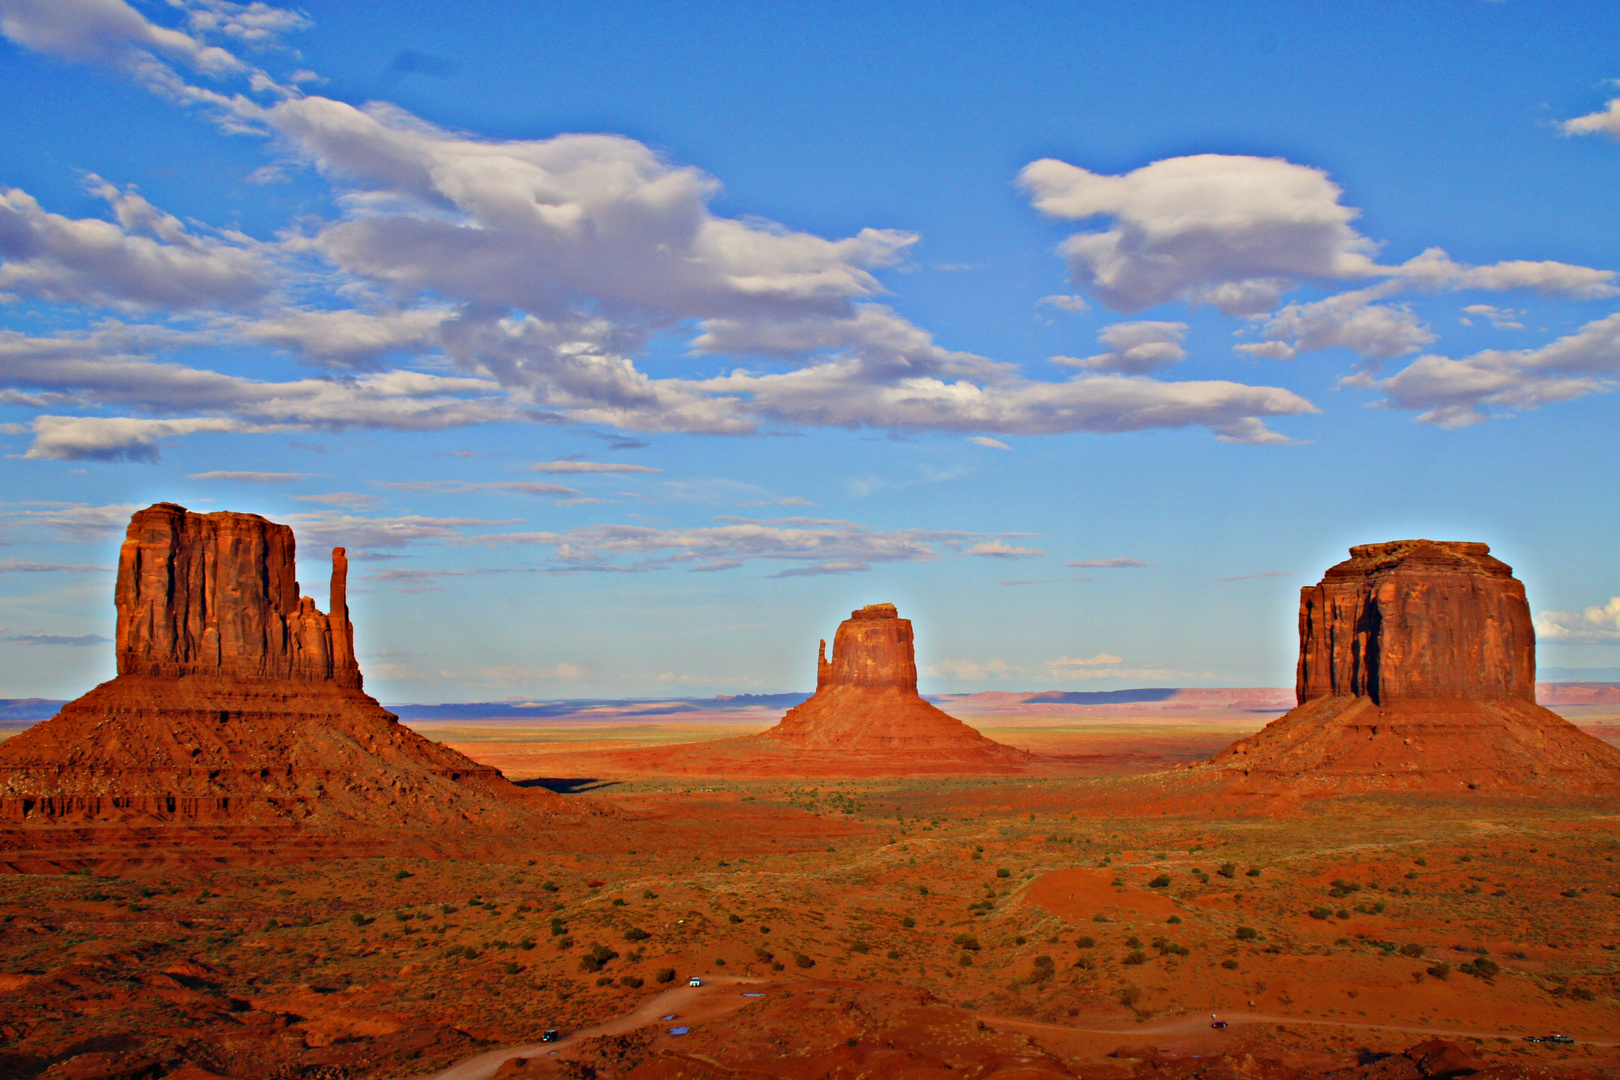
628	347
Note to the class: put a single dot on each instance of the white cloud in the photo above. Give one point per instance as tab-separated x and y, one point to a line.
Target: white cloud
1349	320
461	487
1064	663
1434	269
348	500
987	441
1109	564
115	438
589	467
146	258
1065	302
323	527
1228	230
960	670
1606	121
106	32
78	522
1596	623
1134	348
23	566
1000	549
347	338
1456	393
1501	318
250	477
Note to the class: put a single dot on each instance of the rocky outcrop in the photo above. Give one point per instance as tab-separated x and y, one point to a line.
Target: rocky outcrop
216	594
1417	672
1417	620
238	700
866	703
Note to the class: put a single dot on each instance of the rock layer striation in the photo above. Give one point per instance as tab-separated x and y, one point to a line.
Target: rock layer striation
238	700
1417	672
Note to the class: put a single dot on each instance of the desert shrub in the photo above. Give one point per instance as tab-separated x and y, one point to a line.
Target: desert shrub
1247	933
893	954
618	901
664	975
526	944
1440	971
1087	942
550	886
967	941
403	916
606	980
564	943
908	922
1099	917
648	894
1136	957
1229	964
636	933
1021	939
475	902
1085	963
596	958
1412	949
975	855
966	959
1342	913
1253	871
1482	968
1321	913
630	982
358	919
558	927
1581	993
733	918
1568	894
1130	995
922	890
719	961
448	909
1133	942
510	968
1160	882
803	961
764	956
1174	920
1420	862
1003	872
860	947
1228	870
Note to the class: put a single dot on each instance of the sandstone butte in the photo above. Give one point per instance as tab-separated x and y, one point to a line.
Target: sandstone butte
866	705
236	700
1417	670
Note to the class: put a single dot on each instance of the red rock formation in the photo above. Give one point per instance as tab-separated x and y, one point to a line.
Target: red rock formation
866	703
236	699
1417	672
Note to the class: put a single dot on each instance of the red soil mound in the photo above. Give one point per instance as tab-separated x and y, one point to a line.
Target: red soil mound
237	700
1417	673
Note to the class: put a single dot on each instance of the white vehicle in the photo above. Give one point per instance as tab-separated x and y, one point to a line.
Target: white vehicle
694	981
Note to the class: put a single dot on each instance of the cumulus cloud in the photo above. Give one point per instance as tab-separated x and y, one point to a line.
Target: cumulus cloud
145	258
1134	348
1606	121
1501	318
1596	623
1348	320
109	32
115	438
1434	269
1456	393
1228	230
347	338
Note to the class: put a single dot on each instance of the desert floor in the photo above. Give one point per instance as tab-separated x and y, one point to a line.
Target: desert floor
1019	928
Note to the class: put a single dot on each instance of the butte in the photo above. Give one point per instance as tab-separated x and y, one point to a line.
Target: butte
865	719
237	701
1417	672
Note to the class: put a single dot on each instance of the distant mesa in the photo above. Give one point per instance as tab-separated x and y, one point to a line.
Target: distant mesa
866	702
237	700
1417	663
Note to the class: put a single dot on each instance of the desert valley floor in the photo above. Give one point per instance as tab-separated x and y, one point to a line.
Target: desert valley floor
1086	919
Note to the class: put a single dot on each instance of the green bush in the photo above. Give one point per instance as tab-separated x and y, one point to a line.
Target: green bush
563	943
510	968
1087	942
664	975
1174	920
636	933
358	919
1247	933
1412	949
894	954
1228	870
1133	942
764	956
550	886
526	944
966	960
630	982
967	941
1136	957
1321	913
1229	964
1099	917
1003	872
803	961
1160	882
1481	968
733	918
860	947
1253	871
1440	971
648	894
598	956
908	922
558	927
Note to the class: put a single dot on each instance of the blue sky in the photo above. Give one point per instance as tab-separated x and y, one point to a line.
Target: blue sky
629	347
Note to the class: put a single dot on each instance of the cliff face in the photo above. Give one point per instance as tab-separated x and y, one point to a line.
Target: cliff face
1417	620
215	594
1417	672
238	701
873	647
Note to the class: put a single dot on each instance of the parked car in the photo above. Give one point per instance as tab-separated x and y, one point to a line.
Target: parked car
550	1035
694	981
